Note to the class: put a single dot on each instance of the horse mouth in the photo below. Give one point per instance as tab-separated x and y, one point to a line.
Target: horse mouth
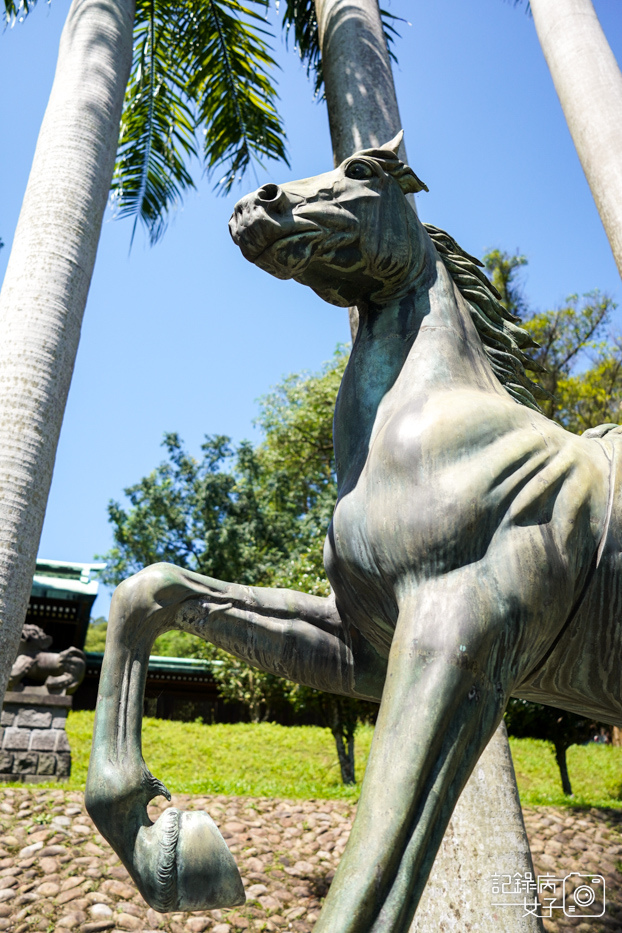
290	238
256	242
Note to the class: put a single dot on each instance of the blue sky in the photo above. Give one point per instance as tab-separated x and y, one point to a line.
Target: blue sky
185	336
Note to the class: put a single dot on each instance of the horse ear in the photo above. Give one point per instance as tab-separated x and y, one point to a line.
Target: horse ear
394	144
404	175
409	182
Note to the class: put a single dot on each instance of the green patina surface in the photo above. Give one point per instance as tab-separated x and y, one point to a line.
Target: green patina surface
474	554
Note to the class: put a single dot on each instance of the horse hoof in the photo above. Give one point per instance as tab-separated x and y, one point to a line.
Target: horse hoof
183	863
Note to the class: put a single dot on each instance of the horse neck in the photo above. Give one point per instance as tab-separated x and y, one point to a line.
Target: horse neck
406	349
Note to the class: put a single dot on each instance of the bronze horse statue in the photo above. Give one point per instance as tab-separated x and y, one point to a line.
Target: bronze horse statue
474	553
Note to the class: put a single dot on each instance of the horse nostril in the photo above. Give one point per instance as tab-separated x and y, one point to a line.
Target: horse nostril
269	193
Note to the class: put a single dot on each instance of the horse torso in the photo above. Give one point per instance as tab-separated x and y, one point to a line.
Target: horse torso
444	472
583	672
442	475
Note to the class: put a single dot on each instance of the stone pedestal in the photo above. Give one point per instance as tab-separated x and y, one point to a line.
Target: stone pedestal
485	838
34	745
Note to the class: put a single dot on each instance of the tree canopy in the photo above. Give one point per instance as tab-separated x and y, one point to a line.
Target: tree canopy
256	515
580	355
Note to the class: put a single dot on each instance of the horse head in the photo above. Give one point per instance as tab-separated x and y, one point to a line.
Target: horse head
349	234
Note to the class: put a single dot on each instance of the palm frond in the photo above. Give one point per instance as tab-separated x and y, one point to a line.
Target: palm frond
157	133
390	31
14	12
197	63
228	60
299	21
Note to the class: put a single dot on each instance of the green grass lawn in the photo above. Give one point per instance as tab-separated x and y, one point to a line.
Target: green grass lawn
595	774
263	760
301	761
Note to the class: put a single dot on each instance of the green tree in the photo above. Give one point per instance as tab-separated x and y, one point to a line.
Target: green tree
579	356
211	515
253	515
503	271
96	634
531	720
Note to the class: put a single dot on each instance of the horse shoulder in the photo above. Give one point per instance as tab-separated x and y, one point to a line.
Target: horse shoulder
468	474
459	447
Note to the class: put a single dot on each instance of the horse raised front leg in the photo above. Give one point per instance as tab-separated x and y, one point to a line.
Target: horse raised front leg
181	861
444	696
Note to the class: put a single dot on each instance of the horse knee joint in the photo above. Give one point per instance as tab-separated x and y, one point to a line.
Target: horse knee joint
140	590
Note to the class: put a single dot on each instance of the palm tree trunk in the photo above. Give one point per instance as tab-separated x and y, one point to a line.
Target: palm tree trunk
589	86
360	93
363	112
47	282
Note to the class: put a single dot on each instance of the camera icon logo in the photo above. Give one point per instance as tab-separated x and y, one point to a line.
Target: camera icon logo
584	895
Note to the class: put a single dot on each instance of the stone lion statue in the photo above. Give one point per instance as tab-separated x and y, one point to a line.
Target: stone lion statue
61	672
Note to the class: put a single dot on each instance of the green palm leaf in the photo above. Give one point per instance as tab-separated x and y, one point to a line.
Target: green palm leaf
17	11
157	133
229	62
197	64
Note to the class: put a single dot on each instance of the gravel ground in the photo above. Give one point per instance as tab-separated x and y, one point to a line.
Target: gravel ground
57	874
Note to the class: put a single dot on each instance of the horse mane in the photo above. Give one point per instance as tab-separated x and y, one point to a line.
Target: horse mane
504	341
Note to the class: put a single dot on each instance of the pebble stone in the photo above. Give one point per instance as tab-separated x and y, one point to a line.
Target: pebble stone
57	874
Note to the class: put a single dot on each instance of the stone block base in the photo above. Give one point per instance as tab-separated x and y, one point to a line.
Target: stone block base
33	742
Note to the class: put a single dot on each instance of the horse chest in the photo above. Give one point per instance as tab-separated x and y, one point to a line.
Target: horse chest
410	505
428	497
363	594
369	547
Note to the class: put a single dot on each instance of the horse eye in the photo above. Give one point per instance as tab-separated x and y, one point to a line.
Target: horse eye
359	170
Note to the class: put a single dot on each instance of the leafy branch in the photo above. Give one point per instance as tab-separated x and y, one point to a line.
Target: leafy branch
229	61
158	124
198	65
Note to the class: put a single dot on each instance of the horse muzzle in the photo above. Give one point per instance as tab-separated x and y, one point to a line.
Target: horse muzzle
264	217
